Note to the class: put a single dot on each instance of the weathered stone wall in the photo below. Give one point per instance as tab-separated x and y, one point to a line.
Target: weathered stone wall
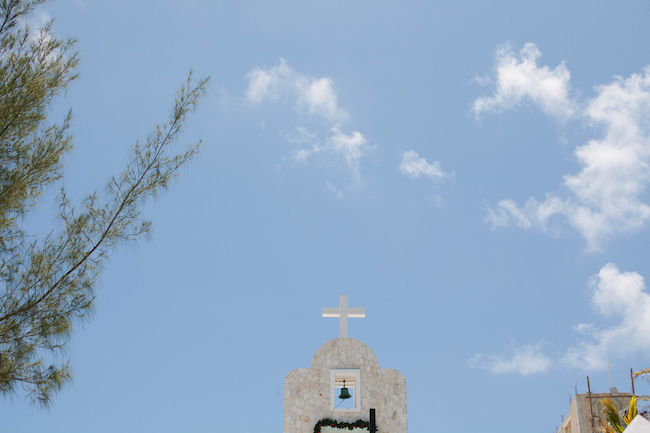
307	391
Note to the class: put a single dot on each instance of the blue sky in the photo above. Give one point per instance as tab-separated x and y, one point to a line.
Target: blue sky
473	174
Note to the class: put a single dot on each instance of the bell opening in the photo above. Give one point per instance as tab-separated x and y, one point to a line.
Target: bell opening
344	384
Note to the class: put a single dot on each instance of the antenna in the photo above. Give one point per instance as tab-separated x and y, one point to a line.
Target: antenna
610	375
591	406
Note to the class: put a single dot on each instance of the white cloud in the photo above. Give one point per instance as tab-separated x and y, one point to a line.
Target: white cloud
621	296
314	95
604	198
533	214
319	97
413	166
348	148
519	79
523	360
306	142
265	84
351	147
615	168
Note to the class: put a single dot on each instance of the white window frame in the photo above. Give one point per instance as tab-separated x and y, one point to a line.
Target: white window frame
350	375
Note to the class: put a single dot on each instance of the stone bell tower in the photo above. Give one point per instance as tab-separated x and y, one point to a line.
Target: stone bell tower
313	394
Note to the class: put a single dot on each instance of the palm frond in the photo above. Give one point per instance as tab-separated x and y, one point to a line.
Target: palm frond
612	419
631	412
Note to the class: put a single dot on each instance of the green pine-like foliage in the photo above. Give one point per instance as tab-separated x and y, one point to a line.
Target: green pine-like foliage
47	285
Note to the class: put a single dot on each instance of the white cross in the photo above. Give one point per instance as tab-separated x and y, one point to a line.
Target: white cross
344	312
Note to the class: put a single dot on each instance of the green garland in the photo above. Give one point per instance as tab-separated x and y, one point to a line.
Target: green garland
342	425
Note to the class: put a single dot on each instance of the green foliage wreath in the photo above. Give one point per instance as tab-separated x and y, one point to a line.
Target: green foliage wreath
342	425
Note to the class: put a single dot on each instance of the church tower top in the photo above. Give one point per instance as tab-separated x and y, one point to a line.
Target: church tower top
314	396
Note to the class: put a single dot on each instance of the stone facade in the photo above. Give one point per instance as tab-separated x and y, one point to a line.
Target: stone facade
307	390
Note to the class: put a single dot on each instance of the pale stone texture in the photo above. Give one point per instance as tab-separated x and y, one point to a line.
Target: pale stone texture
579	418
307	390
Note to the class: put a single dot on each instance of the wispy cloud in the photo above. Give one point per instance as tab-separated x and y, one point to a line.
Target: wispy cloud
519	80
334	190
523	360
315	96
621	296
413	166
605	197
348	148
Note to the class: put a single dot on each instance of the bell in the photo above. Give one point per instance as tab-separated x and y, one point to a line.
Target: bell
344	392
